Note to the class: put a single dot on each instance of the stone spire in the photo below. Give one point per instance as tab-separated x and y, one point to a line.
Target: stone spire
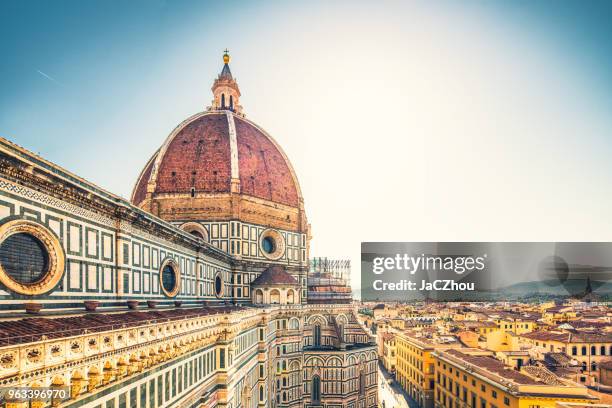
225	89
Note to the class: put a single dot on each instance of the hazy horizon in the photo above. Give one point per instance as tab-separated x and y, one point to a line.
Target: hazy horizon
418	121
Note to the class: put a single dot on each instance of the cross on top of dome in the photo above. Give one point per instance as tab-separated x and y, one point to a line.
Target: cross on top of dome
225	72
225	89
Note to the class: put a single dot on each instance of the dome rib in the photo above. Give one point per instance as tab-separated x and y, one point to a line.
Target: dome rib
140	189
199	155
265	170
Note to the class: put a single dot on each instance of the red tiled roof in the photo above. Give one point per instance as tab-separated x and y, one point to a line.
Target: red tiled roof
566	337
606	365
494	366
264	173
199	157
274	275
141	188
32	329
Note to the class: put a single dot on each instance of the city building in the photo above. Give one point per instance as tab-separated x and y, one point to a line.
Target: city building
389	354
589	349
474	378
192	294
495	355
415	370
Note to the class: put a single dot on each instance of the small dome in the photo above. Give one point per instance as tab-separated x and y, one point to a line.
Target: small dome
275	275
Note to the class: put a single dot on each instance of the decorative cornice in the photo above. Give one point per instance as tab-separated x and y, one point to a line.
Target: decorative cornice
19	170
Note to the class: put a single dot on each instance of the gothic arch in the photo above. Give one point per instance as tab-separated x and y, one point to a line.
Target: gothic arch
342	319
317	318
294	323
314	362
245	396
334	361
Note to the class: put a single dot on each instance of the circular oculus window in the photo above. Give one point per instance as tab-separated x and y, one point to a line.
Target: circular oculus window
272	244
219	285
169	277
31	258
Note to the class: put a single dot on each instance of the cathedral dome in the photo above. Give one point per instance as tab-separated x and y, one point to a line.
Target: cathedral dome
217	165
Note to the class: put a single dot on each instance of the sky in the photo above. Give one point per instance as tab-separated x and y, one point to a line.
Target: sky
405	121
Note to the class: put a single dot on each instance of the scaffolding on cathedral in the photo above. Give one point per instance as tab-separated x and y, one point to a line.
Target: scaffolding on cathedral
329	281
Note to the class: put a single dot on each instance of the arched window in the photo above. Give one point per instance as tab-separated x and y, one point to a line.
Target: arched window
361	382
223	100
593	350
316	336
602	350
275	296
261	393
593	366
246	397
316	390
290	296
231	102
193	227
574	351
258	296
584	350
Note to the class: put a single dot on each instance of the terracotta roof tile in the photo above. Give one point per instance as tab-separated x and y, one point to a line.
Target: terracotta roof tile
32	329
274	275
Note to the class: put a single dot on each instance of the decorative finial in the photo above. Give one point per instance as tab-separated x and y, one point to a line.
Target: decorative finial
226	57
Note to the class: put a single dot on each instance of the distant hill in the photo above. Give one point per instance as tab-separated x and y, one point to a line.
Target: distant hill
554	287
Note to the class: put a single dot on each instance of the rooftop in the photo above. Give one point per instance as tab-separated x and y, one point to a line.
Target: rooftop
40	328
490	367
274	275
567	337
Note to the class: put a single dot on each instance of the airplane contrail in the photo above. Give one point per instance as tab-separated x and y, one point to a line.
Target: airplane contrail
48	76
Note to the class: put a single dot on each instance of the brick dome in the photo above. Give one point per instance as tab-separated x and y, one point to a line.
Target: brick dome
209	158
199	157
219	166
